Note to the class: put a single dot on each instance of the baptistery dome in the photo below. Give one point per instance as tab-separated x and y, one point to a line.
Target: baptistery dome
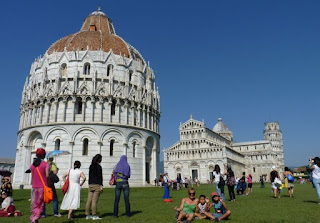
91	92
96	33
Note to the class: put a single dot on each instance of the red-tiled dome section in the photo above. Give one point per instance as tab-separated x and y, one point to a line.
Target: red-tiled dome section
97	33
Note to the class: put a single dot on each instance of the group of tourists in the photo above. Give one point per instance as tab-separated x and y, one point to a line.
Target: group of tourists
200	208
191	207
44	174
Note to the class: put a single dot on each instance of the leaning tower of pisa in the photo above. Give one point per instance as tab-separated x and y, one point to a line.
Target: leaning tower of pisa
273	133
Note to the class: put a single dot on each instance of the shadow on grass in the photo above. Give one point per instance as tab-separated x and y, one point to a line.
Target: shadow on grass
111	214
20	199
315	202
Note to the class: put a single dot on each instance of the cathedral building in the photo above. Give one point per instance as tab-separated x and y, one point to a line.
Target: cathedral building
91	92
200	149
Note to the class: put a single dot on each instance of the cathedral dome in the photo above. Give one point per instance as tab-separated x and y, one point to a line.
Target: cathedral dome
220	127
96	33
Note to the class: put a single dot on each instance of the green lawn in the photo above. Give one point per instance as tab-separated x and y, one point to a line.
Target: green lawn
147	206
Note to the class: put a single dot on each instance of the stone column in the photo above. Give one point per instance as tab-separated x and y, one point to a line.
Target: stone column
125	106
101	109
144	164
71	155
21	120
154	162
65	101
37	116
109	110
26	164
25	121
56	103
29	116
148	118
144	116
125	150
156	122
33	120
41	113
92	109
133	112
84	109
139	116
74	109
100	145
152	121
118	110
48	112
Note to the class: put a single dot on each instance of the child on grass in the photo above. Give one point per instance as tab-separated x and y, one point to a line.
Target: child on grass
221	210
202	207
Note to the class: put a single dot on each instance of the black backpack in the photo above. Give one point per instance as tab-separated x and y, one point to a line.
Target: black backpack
221	182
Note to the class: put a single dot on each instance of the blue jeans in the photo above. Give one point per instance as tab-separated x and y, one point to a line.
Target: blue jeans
316	183
220	192
119	187
54	202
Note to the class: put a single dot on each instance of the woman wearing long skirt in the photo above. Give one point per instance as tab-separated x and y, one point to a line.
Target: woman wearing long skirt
71	200
123	173
166	182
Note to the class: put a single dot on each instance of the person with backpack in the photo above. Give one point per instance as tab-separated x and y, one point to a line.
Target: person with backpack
40	173
53	178
231	182
289	176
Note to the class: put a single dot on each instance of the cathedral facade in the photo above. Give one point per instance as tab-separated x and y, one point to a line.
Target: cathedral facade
91	92
200	149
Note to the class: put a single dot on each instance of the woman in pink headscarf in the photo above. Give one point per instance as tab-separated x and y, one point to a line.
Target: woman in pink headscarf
123	173
37	186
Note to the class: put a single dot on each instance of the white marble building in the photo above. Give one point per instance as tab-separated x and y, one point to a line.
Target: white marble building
200	149
91	92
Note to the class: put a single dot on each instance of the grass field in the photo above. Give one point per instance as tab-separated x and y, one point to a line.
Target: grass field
147	206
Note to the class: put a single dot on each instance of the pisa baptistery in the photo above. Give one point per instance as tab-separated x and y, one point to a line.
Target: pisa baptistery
91	92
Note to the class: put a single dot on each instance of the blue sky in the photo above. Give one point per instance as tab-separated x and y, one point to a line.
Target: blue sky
246	61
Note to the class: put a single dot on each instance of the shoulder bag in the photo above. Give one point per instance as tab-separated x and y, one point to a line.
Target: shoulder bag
113	179
65	187
47	191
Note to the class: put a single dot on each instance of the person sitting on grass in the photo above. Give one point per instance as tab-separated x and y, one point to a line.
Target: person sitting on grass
221	210
187	208
202	207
